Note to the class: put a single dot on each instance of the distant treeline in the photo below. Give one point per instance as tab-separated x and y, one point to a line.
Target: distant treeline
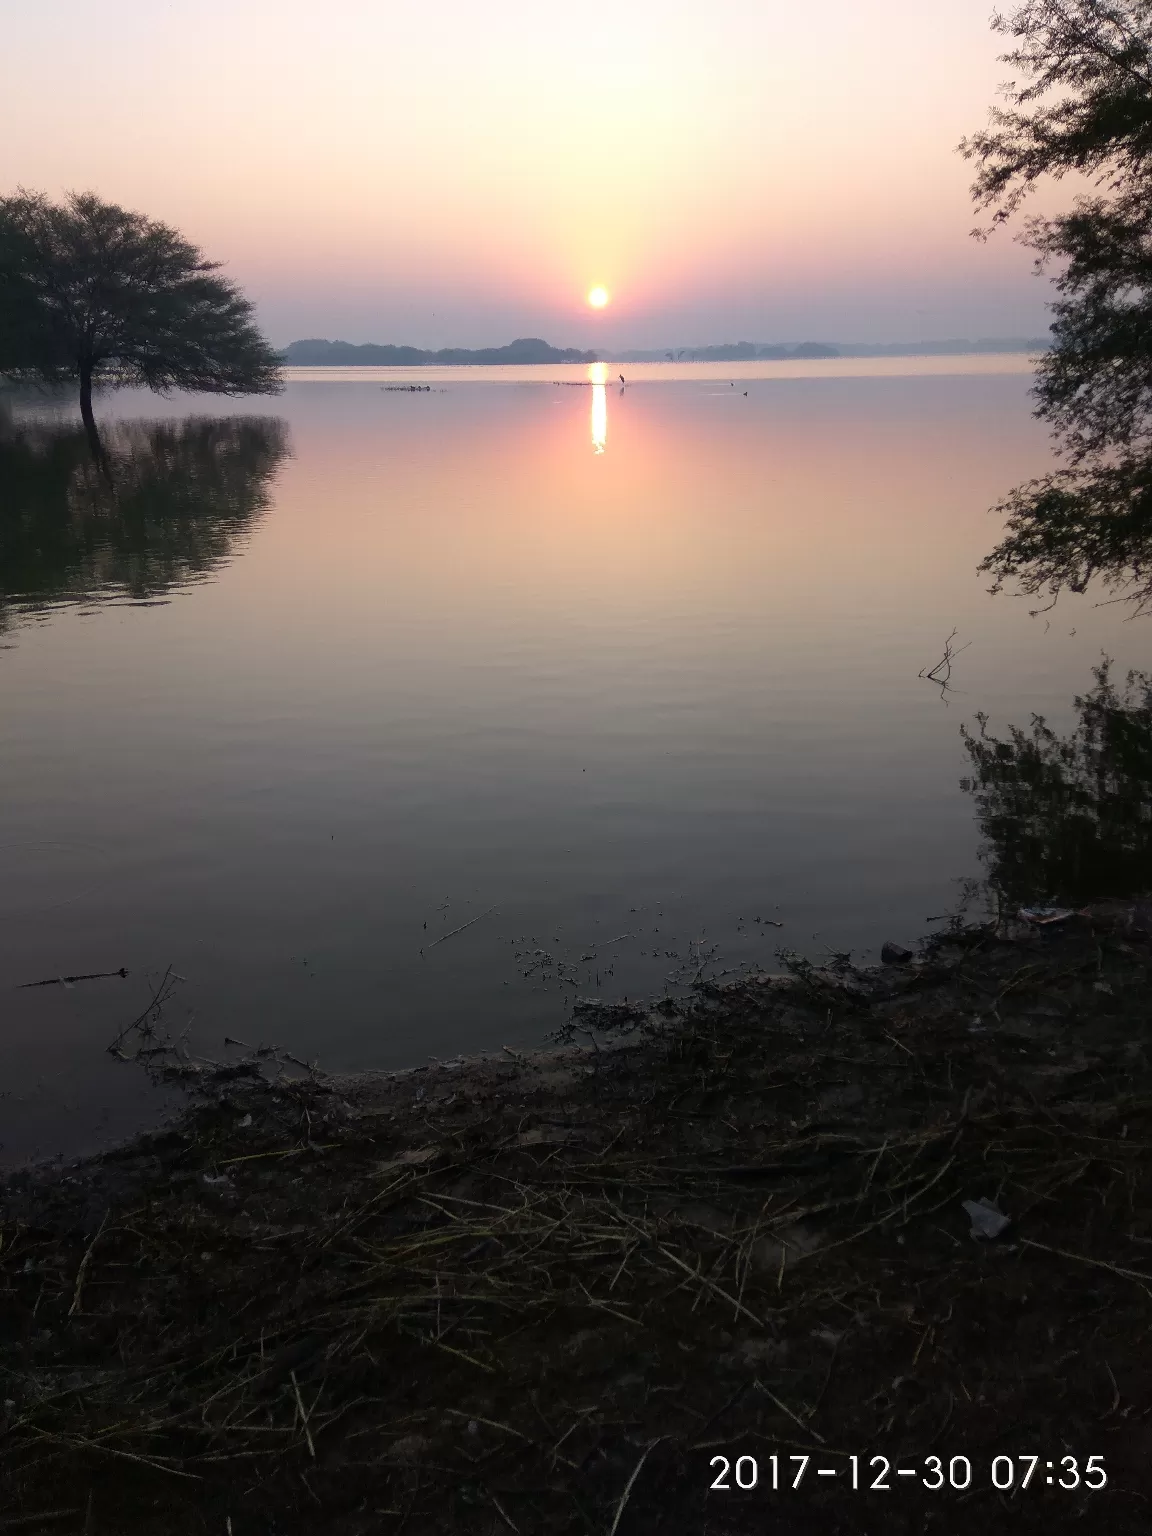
731	352
944	348
528	349
749	351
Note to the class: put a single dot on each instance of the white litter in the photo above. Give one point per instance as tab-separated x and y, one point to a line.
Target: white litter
987	1218
1043	915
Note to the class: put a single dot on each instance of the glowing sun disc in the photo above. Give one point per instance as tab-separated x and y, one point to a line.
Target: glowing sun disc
598	297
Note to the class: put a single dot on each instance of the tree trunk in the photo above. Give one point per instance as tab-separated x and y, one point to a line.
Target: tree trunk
86	415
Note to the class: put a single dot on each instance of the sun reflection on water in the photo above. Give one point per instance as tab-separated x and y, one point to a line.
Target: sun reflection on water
598	374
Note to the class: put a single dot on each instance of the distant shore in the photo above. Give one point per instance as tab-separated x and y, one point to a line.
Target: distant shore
321	353
607	373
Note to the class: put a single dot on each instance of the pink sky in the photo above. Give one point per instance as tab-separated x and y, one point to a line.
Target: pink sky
459	174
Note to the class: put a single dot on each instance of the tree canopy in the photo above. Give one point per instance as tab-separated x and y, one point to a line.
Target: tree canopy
94	294
1098	55
1084	107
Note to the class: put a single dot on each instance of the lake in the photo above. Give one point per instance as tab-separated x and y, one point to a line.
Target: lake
393	721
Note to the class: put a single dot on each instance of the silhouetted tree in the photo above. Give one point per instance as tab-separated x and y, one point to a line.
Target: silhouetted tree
1085	107
92	293
1069	818
180	496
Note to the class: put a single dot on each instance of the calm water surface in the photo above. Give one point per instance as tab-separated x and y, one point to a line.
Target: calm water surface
614	673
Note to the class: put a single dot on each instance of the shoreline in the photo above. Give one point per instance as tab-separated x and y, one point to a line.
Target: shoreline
911	365
541	1290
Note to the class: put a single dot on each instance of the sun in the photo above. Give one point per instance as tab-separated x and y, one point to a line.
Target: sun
598	297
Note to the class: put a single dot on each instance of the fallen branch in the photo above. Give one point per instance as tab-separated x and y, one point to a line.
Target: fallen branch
84	1262
932	675
144	1022
1082	1258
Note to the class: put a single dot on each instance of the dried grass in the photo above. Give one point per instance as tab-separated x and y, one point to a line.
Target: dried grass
470	1299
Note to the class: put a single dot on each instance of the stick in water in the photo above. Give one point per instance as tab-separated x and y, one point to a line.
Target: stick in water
66	981
461	928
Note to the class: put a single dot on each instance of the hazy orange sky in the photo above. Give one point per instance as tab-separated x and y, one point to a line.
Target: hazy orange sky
462	173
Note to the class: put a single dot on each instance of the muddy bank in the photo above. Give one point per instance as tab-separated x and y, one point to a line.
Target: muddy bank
547	1292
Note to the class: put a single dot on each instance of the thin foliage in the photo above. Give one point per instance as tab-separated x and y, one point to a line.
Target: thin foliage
1082	106
1068	818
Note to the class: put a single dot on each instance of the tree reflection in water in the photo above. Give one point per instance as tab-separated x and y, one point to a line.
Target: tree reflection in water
165	506
1068	819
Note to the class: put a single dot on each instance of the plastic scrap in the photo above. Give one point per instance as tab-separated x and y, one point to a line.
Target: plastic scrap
895	954
1042	915
988	1220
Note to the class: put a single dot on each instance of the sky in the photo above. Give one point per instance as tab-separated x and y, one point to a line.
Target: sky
459	173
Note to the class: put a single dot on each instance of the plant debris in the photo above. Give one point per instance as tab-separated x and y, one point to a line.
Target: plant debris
543	1292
